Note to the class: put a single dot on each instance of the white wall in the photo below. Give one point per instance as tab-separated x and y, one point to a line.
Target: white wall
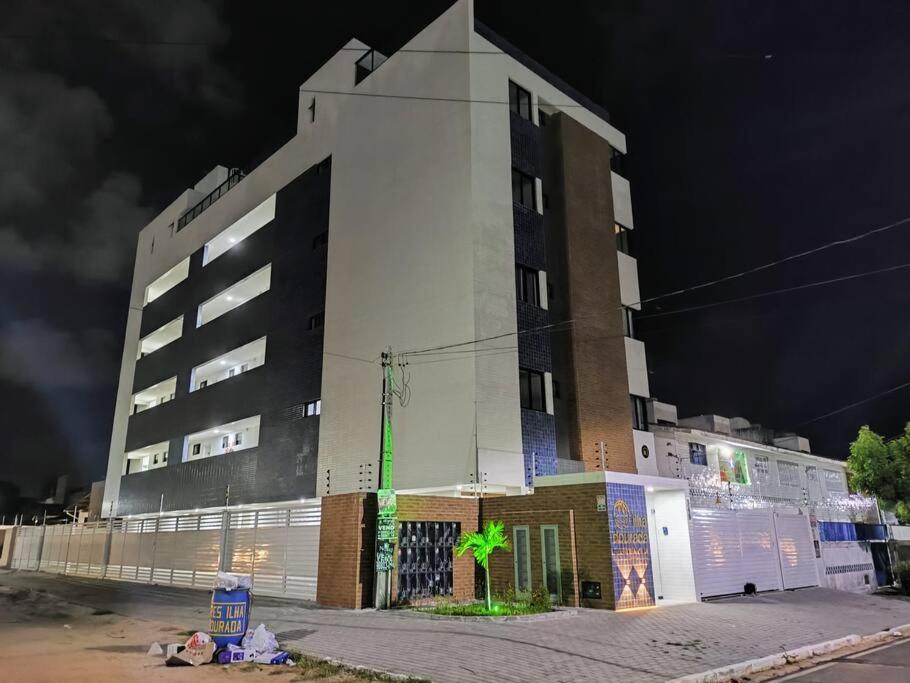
637	368
622	200
629	294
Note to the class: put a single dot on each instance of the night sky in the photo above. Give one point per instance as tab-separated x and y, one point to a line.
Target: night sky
755	130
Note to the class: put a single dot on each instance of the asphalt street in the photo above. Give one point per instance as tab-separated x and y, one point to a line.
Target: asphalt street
887	664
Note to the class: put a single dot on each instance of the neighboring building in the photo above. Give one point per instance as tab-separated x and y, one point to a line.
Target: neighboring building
764	510
428	199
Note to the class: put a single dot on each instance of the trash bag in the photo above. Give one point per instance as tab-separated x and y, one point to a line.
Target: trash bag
260	640
229	582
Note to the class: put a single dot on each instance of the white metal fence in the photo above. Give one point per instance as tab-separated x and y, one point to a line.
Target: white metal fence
278	547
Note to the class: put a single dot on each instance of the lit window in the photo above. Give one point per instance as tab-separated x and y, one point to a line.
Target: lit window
317	321
312	408
225	366
521	554
235	295
168	281
833	480
227	239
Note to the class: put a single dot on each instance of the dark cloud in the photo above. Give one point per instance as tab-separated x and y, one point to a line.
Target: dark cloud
34	352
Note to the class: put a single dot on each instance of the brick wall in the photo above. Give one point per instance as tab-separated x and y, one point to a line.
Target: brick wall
346	551
584	539
444	509
590	357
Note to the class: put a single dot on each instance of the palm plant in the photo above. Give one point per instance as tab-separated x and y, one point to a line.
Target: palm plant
482	544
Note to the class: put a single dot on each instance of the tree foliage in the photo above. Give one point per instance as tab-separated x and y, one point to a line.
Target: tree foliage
882	468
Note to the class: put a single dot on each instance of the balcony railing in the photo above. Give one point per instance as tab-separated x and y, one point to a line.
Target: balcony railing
234	176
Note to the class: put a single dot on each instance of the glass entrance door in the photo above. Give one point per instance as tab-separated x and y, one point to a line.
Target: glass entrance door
549	551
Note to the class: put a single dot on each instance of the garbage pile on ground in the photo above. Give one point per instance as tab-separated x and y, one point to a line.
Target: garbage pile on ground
229	640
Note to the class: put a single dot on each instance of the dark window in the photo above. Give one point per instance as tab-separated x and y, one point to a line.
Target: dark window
323	165
196	448
321	239
165	456
628	322
550	290
639	414
523	189
317	320
527	285
238	438
225	441
203	384
244	367
543	117
617	162
546	201
622	239
556	389
155	459
232	372
531	389
519	101
312	109
698	453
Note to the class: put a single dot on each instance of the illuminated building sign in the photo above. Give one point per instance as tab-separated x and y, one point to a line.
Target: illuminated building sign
633	582
733	468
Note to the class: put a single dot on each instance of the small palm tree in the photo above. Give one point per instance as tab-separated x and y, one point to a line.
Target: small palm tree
482	544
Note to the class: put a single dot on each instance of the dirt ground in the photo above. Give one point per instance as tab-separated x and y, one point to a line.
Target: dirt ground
44	639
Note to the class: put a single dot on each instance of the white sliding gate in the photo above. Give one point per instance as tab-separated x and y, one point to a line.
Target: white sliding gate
279	547
730	548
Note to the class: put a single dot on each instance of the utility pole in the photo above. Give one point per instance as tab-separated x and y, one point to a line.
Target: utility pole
387	518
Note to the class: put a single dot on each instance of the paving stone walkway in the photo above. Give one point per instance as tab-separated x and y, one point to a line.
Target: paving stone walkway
594	645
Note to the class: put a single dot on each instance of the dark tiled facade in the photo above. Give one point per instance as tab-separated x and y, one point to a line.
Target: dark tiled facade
538	429
283	466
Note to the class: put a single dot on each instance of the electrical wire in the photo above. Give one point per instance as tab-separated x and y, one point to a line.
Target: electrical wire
429	98
341	355
760	295
777	262
858	403
497	336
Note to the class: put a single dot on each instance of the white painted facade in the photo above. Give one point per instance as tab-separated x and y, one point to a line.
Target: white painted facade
420	254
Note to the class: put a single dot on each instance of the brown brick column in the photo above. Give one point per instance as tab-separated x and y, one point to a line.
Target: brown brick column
346	549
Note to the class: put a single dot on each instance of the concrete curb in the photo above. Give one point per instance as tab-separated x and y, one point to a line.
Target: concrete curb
543	616
752	666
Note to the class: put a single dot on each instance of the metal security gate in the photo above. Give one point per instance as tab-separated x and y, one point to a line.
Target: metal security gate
733	547
278	547
798	566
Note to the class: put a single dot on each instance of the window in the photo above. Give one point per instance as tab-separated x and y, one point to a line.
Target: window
617	162
622	239
236	295
543	118
639	414
165	456
161	337
227	438
556	389
321	239
234	362
154	396
238	231
312	408
761	469
549	553
312	109
317	321
519	101
168	281
628	322
546	200
527	285
788	472
698	453
523	190
811	473
531	389
833	480
521	556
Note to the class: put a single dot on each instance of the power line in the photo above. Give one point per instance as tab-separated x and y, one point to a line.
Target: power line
858	403
341	355
771	264
414	352
760	295
428	98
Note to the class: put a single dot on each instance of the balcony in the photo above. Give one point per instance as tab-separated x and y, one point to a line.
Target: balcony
148	458
163	336
235	295
234	177
227	438
228	365
154	396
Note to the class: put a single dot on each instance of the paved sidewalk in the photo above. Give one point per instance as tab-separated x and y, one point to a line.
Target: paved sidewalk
647	646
